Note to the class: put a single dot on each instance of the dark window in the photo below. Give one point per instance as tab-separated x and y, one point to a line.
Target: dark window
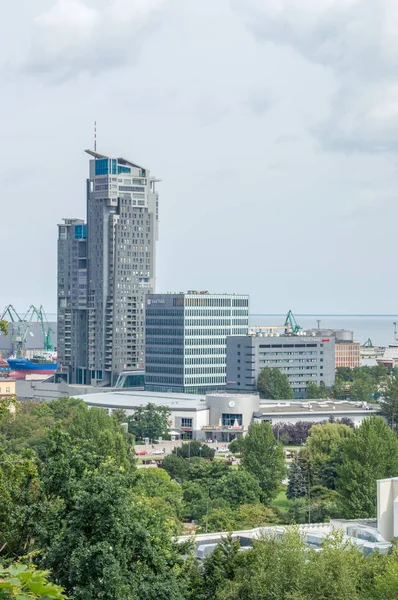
228	420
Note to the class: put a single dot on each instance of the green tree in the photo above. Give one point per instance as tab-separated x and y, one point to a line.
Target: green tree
315	391
264	458
19	493
237	487
389	401
275	569
363	388
345	374
3	327
274	384
177	467
249	516
111	544
149	421
300	476
156	483
369	454
323	439
24	582
218	519
194	448
219	568
236	445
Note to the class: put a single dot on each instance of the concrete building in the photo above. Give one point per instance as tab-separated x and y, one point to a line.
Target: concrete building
186	339
122	230
303	358
72	299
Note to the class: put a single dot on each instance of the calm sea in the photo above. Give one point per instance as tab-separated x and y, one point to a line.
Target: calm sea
379	328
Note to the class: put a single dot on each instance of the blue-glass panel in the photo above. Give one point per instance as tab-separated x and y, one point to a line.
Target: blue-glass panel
101	166
80	232
121	169
113	166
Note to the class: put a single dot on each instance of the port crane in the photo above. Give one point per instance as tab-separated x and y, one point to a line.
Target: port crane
290	326
20	328
48	344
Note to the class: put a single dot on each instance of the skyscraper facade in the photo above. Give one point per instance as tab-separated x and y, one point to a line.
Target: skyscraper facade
186	339
72	299
122	230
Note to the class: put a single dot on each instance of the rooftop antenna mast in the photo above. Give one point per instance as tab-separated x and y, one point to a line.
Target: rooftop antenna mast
95	136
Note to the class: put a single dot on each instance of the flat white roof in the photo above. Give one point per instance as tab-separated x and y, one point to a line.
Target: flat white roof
130	400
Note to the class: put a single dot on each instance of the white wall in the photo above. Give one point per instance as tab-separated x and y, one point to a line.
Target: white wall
387	508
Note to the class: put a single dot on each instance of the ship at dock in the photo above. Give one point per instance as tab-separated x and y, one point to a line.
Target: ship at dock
39	364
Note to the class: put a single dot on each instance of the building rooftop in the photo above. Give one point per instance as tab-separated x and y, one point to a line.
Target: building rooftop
316	406
121	160
127	400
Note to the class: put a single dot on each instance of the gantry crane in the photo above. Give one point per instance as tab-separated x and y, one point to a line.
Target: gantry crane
291	325
20	328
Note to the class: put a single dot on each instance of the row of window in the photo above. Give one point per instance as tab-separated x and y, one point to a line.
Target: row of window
208	312
270	354
215	379
204	301
205	370
165	360
290	361
289	345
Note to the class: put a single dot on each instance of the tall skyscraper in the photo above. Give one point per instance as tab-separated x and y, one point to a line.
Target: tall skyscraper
72	299
186	339
122	230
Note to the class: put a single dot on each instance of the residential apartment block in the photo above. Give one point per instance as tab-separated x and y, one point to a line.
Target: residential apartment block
72	299
122	230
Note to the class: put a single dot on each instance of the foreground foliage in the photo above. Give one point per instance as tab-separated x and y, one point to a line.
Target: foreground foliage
287	569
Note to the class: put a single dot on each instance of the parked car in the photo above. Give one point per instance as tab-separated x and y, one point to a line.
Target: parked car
141	453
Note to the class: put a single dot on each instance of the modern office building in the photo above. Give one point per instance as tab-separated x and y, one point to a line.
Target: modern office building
72	299
302	358
122	229
186	339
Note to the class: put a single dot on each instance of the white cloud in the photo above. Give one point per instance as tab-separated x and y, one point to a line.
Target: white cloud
356	39
73	37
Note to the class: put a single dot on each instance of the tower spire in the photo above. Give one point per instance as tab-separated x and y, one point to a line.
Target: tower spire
95	136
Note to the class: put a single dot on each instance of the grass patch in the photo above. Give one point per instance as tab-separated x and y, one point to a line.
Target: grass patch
281	501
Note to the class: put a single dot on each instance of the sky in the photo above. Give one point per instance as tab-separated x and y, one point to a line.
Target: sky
271	123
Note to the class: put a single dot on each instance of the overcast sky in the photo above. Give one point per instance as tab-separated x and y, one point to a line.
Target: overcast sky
272	124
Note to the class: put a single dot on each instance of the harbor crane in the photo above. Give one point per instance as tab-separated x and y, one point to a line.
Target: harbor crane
20	327
291	325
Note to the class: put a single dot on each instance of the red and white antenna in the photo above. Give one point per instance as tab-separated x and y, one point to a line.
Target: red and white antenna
95	136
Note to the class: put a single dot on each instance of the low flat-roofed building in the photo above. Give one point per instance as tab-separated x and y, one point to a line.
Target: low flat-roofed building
223	416
315	410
